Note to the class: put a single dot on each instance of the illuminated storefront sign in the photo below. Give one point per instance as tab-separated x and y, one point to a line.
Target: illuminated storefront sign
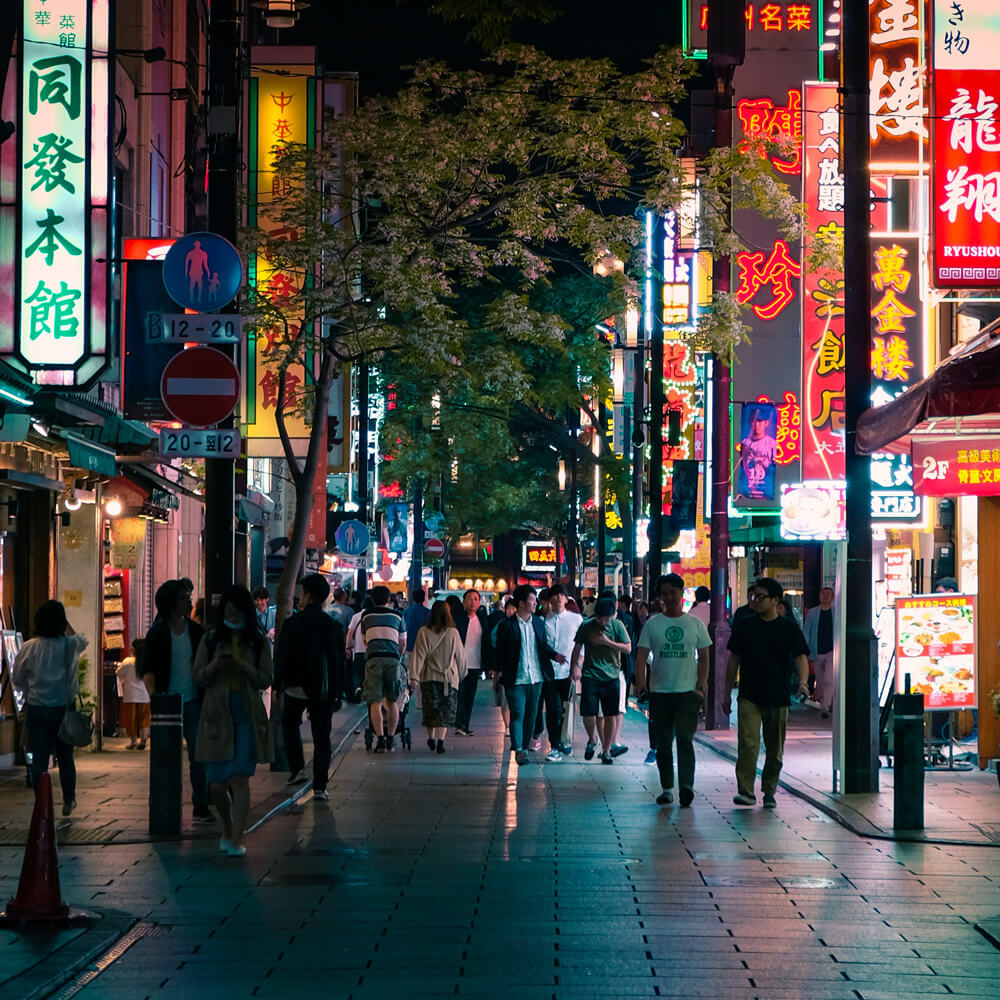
764	21
965	203
788	436
56	310
814	511
282	111
897	363
897	95
822	290
956	466
763	122
538	557
778	271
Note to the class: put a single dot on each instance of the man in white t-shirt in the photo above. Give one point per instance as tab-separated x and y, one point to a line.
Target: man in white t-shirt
561	627
676	683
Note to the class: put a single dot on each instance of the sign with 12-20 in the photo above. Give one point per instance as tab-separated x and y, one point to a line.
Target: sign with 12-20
189	442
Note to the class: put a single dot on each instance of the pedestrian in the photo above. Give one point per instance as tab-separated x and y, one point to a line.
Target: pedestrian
267	613
676	680
437	666
167	659
415	616
702	606
384	633
603	641
355	650
525	659
759	648
46	671
559	694
819	632
641	615
745	610
504	609
233	665
134	715
340	610
309	677
471	624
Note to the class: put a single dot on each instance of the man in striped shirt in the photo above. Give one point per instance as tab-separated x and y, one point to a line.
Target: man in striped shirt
384	632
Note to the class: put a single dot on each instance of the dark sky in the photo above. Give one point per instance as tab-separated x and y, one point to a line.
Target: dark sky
378	37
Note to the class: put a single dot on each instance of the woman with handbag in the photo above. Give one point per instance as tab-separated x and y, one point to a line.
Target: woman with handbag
46	671
437	664
233	664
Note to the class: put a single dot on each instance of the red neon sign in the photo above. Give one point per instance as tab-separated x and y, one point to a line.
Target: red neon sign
779	270
771	17
762	120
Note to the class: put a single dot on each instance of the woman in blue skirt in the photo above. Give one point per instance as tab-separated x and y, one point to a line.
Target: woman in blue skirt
233	664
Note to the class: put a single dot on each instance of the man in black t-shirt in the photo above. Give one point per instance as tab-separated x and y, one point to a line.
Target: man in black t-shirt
759	648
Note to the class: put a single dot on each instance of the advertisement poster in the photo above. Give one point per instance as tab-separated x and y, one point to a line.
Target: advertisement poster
756	451
936	646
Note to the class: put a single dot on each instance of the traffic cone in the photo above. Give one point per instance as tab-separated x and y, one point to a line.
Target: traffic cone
38	896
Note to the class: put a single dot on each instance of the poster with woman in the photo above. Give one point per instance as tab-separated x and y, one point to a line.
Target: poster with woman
756	451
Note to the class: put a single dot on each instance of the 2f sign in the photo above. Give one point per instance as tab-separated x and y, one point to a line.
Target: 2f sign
935	468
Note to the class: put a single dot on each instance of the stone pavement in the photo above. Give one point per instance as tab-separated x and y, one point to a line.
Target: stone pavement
461	874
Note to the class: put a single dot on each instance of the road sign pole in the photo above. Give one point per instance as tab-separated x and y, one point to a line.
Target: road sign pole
224	90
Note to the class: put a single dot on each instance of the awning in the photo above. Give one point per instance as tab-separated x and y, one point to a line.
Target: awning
966	384
84	454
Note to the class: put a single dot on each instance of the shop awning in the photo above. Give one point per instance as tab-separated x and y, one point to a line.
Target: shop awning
85	454
965	385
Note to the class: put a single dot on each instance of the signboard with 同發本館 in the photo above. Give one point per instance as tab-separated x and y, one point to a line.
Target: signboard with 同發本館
936	646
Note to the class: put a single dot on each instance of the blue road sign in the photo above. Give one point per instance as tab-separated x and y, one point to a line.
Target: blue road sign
202	272
352	538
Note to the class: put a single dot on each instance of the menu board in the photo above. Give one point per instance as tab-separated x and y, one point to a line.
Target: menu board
936	646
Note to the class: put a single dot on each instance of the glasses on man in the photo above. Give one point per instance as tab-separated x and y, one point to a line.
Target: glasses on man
759	595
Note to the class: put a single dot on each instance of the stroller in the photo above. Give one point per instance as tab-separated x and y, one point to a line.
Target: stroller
402	727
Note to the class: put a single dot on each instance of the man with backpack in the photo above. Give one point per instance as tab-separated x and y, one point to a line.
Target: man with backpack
309	675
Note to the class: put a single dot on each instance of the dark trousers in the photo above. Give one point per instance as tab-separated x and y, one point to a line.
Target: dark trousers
42	724
355	678
550	709
674	715
199	787
466	699
523	702
320	717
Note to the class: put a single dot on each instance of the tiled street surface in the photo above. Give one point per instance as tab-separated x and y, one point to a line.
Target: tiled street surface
433	876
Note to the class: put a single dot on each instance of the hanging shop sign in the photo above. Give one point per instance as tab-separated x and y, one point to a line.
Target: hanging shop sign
965	161
898	573
936	646
768	25
538	557
54	196
956	466
897	103
814	511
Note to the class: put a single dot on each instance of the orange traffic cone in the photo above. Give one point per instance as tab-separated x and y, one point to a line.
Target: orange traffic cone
38	896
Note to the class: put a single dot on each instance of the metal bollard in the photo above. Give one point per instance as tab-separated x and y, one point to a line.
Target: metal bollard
166	754
908	762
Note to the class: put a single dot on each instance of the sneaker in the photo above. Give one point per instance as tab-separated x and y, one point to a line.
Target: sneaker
323	795
607	758
535	744
744	800
650	757
686	796
588	754
665	797
811	703
462	732
553	755
380	746
617	749
202	814
296	778
521	757
566	749
225	845
237	850
770	802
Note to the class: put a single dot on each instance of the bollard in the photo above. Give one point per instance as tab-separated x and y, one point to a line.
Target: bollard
908	766
166	754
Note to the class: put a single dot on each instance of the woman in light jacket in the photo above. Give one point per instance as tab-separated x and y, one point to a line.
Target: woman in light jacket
233	664
437	664
46	671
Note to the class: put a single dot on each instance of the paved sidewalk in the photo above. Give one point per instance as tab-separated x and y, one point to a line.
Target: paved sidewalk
462	874
960	807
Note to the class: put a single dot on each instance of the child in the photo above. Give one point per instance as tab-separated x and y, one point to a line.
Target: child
134	717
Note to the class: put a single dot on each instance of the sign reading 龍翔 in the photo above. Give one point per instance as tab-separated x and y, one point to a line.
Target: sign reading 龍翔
965	177
61	217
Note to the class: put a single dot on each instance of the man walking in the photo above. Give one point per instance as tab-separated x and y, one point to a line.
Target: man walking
525	658
167	657
678	674
759	648
415	616
819	637
339	610
384	633
473	630
561	627
309	675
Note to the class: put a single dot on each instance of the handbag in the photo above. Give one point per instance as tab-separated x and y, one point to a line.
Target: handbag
77	726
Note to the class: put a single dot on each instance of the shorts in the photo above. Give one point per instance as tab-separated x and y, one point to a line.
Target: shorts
603	694
384	679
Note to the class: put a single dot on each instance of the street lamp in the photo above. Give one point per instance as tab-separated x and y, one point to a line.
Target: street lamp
281	13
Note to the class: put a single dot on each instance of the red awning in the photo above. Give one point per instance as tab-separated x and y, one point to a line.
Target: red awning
965	386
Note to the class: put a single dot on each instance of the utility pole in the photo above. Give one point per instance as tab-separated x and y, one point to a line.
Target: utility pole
602	514
860	659
362	581
654	561
638	441
225	82
726	50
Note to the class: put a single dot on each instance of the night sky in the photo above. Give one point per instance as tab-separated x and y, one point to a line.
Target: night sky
378	37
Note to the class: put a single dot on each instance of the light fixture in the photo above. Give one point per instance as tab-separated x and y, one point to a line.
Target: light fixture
15	398
113	507
828	47
501	585
453	584
562	474
41	427
281	13
13	506
71	501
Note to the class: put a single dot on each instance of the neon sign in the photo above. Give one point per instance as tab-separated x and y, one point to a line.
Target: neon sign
762	121
788	437
778	269
771	17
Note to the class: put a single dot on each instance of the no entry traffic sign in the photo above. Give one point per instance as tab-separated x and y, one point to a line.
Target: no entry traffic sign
200	386
433	550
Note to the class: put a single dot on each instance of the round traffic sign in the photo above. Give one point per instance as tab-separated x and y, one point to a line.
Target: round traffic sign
202	272
200	386
433	549
352	538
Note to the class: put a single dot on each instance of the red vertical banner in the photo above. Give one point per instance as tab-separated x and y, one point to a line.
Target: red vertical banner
822	289
316	531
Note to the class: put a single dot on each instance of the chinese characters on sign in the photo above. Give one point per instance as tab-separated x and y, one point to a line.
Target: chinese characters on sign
763	122
956	466
778	270
965	163
538	557
763	21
